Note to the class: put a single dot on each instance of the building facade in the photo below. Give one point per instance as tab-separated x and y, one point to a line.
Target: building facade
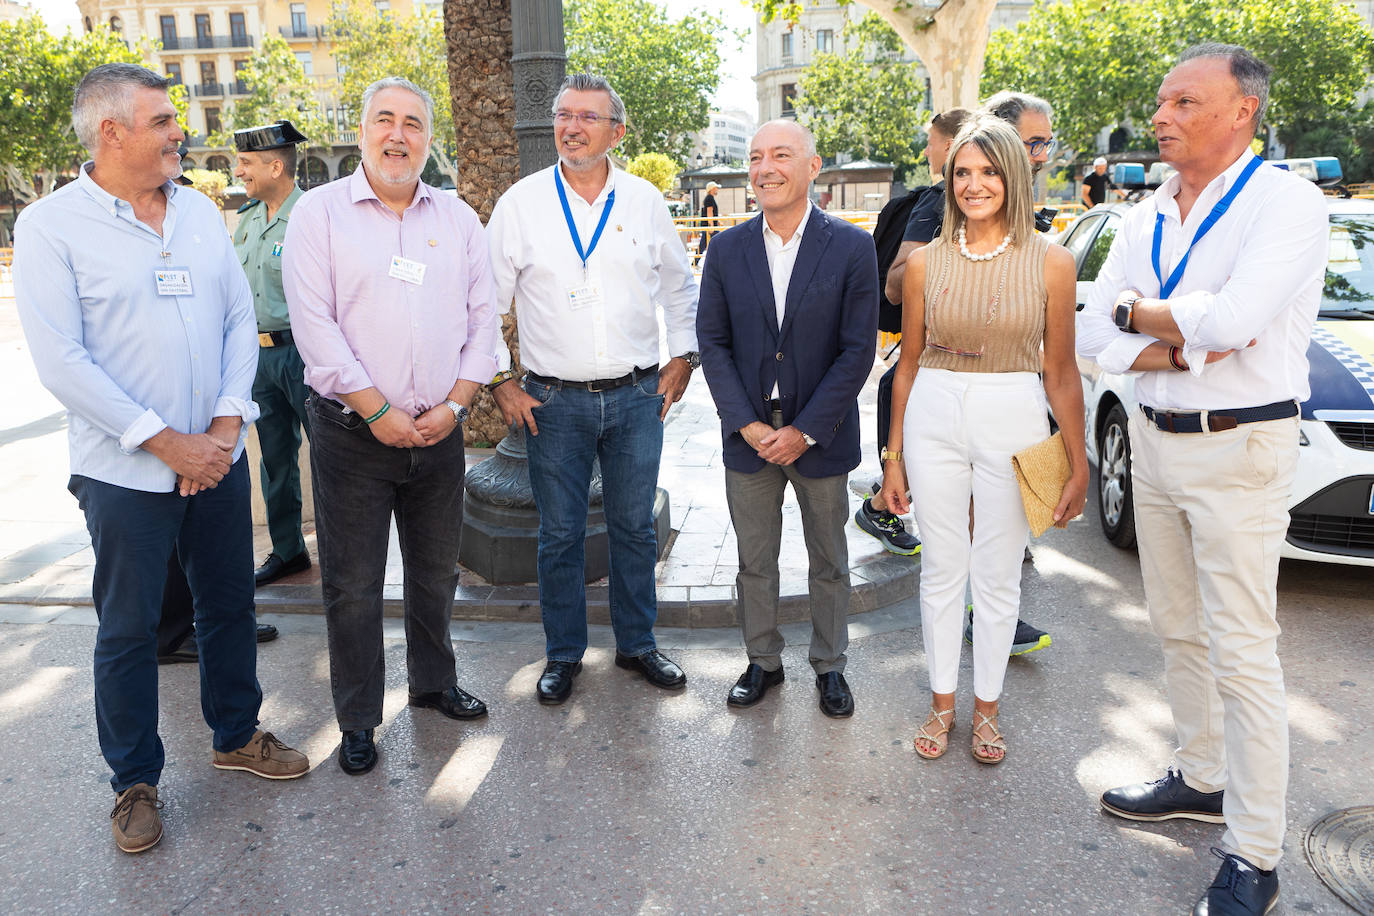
725	141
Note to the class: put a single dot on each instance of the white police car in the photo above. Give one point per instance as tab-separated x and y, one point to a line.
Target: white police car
1332	507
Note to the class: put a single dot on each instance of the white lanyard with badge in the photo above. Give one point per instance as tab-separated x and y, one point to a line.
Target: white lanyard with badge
588	293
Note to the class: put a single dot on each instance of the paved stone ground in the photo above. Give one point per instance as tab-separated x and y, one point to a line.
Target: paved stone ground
628	800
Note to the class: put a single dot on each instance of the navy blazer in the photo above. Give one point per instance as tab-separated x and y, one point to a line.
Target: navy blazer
819	358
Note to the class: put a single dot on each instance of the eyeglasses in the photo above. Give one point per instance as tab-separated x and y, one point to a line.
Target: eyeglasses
589	118
1041	147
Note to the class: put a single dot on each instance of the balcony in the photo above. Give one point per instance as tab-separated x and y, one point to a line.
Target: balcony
304	33
238	87
210	90
207	42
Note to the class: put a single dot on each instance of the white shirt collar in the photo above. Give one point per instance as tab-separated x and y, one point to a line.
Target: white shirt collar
796	236
606	189
1168	191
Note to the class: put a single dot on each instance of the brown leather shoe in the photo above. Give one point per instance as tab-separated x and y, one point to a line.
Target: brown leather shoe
135	820
264	756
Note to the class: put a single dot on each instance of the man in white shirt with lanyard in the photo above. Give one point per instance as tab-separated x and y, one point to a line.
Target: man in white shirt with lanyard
1208	297
586	251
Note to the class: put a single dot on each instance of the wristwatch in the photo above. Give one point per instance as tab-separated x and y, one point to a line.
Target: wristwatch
460	413
889	455
1125	311
807	439
693	359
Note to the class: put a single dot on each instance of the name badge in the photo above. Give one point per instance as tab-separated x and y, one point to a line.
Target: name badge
582	297
173	281
407	270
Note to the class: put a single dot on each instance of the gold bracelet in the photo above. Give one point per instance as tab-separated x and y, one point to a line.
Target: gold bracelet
886	455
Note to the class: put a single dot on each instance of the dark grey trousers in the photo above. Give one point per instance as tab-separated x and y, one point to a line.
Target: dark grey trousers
755	502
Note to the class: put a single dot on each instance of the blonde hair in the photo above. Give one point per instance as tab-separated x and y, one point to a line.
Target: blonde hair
1001	144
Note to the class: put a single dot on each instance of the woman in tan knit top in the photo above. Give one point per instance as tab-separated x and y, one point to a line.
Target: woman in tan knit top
986	298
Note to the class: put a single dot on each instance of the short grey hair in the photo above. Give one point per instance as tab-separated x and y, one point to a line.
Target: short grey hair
1010	106
399	82
590	82
808	138
1250	73
108	92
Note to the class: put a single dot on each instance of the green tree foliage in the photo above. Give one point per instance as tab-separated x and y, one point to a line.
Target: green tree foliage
370	45
1100	64
866	102
657	169
277	88
1347	135
209	182
664	70
38	76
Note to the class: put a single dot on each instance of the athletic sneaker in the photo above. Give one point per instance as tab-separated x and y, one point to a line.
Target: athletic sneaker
1027	638
887	528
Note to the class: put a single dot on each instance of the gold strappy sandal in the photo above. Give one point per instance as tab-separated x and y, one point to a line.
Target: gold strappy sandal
939	737
985	744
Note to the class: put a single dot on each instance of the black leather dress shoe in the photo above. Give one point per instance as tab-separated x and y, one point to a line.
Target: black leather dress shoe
267	632
274	567
752	685
1164	799
357	752
836	700
555	684
455	702
1240	889
189	651
656	667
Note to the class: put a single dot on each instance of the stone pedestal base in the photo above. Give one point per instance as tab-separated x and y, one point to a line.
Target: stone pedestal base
501	543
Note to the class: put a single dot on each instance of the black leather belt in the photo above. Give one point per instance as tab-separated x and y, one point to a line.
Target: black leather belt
1175	421
600	384
274	338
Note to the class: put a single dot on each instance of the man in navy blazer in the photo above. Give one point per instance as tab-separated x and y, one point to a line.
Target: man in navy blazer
787	324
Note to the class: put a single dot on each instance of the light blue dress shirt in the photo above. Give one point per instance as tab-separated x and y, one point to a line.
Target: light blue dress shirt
125	361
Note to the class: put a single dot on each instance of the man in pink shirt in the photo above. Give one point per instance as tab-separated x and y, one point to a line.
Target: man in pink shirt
389	288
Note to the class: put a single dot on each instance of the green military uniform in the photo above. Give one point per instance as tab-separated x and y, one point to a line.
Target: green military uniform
279	388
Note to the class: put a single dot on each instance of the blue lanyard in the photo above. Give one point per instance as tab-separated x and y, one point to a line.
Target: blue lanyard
572	227
1167	287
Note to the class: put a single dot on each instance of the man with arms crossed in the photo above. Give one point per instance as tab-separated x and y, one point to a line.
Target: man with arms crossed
390	294
788	325
140	322
1209	296
586	251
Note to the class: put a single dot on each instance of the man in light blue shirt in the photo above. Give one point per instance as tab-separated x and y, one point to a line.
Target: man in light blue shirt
140	321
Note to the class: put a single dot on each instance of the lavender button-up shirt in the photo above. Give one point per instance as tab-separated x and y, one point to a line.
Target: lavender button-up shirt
357	326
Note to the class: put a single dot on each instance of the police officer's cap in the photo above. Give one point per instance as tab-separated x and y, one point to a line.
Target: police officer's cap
268	136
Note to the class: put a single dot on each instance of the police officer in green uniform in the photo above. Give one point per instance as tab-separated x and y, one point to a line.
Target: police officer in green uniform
267	168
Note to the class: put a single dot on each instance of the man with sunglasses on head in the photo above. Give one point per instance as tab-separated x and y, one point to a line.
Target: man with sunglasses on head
1030	115
588	253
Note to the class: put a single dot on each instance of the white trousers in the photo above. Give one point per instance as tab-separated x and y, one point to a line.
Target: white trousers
960	431
1211	512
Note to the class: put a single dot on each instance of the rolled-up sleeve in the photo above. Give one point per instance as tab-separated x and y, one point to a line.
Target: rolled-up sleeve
308	278
240	362
677	287
1098	337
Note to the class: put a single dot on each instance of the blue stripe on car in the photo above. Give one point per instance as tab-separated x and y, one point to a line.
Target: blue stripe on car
1341	379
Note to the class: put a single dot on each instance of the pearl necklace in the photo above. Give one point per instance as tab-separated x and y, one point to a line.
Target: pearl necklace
963	248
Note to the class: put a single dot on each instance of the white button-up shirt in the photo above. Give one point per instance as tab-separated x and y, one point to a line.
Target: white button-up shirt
639	262
1258	274
125	361
782	258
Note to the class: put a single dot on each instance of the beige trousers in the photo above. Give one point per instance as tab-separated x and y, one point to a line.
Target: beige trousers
1211	511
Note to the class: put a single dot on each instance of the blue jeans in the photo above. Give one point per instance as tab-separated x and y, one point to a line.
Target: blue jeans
133	533
359	483
622	428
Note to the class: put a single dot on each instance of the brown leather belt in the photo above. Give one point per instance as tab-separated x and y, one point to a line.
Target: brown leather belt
600	384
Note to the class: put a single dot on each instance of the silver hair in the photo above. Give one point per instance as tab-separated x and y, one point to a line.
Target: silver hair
808	139
1250	73
108	92
590	82
1010	106
400	82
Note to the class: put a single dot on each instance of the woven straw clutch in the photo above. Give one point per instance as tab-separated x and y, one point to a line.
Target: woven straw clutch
1041	472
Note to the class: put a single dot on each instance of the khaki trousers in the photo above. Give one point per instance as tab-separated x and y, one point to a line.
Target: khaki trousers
1211	511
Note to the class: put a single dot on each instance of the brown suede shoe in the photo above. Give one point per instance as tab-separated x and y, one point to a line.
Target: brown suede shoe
264	756
135	820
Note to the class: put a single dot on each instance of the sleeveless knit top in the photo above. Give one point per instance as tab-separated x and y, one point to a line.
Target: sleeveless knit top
996	308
